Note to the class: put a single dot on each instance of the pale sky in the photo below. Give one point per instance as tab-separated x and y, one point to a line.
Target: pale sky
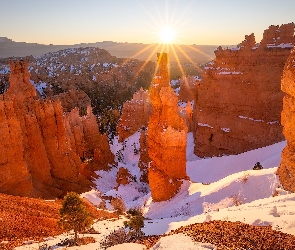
211	22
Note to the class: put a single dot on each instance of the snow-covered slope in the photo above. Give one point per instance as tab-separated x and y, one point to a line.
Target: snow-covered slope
220	188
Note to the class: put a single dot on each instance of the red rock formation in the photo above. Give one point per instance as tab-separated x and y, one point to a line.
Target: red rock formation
41	146
166	137
123	176
135	115
239	98
86	140
187	90
74	98
286	171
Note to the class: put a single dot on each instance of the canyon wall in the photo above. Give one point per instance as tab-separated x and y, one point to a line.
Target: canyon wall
239	100
41	146
166	137
286	171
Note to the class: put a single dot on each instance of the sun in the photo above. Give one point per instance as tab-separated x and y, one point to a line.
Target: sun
167	35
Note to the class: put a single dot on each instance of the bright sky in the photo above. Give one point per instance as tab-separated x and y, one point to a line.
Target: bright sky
212	22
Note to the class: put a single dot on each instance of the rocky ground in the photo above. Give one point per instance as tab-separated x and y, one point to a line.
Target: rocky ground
25	220
232	235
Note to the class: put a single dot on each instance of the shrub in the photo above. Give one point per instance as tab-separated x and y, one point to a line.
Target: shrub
74	215
120	156
130	233
237	201
135	221
118	236
245	177
257	166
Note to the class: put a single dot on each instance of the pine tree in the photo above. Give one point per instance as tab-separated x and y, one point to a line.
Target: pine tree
74	215
135	221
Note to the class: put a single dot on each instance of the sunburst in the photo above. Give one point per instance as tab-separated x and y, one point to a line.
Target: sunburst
167	35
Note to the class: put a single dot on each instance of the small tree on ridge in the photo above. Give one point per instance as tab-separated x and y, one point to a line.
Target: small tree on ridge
74	215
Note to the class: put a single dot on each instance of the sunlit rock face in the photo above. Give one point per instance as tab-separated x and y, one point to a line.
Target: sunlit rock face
135	115
74	98
187	91
239	100
41	146
166	137
286	171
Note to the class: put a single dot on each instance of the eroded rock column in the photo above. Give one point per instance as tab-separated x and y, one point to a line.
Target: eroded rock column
286	171
166	137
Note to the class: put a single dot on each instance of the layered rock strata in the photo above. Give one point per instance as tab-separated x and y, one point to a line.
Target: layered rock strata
286	171
239	99
41	146
166	137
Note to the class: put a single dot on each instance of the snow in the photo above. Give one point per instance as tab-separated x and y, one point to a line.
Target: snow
204	125
229	73
174	83
250	118
93	197
176	91
40	86
219	188
4	69
180	241
129	246
281	45
226	130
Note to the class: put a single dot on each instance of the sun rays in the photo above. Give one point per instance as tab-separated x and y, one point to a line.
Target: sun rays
166	27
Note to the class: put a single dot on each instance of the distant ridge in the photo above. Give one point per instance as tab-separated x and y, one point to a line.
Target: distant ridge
197	53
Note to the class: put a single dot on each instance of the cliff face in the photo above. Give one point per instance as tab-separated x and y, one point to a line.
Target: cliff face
239	100
166	138
286	171
135	115
41	146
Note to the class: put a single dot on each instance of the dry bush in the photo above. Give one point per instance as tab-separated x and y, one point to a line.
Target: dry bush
116	237
244	178
118	205
237	200
276	193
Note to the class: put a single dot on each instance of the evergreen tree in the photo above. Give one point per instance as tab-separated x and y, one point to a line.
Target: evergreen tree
135	221
74	215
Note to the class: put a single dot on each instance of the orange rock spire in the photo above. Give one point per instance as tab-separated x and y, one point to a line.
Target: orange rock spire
286	171
166	137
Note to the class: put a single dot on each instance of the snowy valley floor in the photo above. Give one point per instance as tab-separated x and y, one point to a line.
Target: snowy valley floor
220	189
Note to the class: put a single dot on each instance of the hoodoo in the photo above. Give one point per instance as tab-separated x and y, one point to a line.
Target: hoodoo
166	137
135	114
239	97
42	147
